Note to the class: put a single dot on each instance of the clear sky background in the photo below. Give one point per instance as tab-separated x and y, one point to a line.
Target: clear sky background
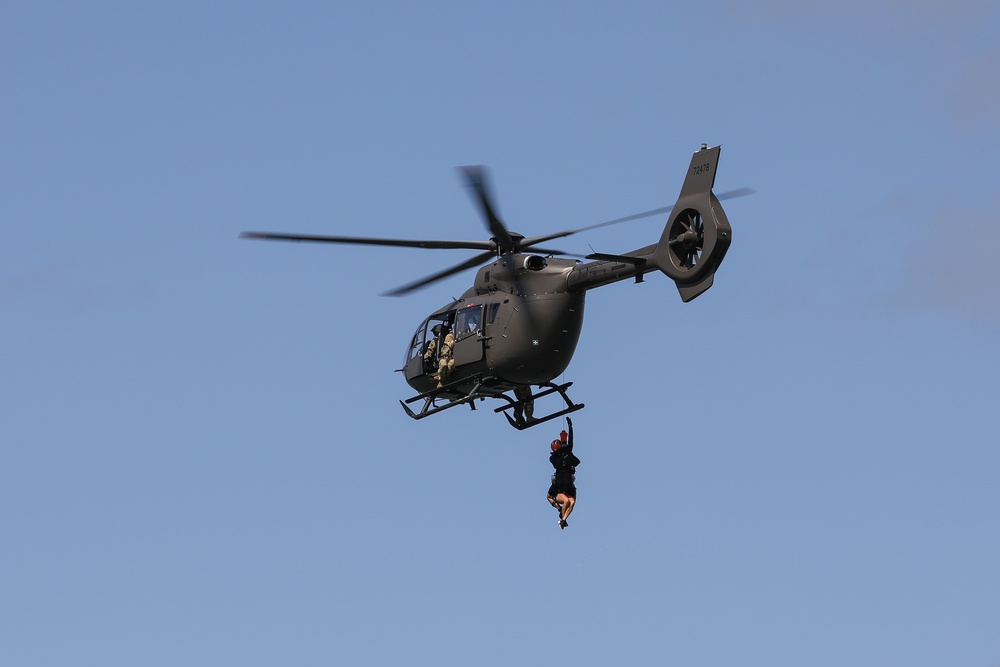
203	457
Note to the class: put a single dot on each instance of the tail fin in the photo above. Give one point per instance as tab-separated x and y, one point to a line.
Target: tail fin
698	234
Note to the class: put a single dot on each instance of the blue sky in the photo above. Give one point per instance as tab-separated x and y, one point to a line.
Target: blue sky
204	461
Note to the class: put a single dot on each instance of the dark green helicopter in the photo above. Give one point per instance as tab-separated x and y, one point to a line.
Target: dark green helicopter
515	330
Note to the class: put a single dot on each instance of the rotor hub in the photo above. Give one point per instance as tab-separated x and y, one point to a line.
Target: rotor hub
686	239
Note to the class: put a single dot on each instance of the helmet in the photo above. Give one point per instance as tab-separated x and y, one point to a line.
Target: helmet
556	444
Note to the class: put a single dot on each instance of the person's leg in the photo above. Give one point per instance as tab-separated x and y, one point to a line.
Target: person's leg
566	505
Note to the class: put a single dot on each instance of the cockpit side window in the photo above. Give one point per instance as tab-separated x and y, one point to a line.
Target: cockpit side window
417	343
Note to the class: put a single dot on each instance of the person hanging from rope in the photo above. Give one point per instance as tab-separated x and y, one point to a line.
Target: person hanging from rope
562	492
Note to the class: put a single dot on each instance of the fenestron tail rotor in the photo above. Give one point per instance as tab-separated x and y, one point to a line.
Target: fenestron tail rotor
687	238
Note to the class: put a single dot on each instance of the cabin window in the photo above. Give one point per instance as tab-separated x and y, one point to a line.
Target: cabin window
468	321
491	313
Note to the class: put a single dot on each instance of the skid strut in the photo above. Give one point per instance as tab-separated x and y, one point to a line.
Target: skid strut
429	408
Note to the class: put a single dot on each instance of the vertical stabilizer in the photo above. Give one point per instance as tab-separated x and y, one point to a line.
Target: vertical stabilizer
698	234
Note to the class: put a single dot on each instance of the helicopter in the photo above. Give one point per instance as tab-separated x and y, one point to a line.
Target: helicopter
515	330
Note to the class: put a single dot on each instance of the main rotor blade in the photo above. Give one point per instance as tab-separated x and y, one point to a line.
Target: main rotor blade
733	194
475	178
729	194
475	260
404	243
569	232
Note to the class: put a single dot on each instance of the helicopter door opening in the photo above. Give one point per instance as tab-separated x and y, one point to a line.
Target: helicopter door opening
422	355
469	338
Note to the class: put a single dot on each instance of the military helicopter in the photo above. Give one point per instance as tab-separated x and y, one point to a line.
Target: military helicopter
515	330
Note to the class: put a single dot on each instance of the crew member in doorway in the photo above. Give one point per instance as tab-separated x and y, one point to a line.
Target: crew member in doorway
446	357
430	348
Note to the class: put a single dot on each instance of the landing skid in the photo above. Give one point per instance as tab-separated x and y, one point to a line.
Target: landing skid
430	406
430	397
